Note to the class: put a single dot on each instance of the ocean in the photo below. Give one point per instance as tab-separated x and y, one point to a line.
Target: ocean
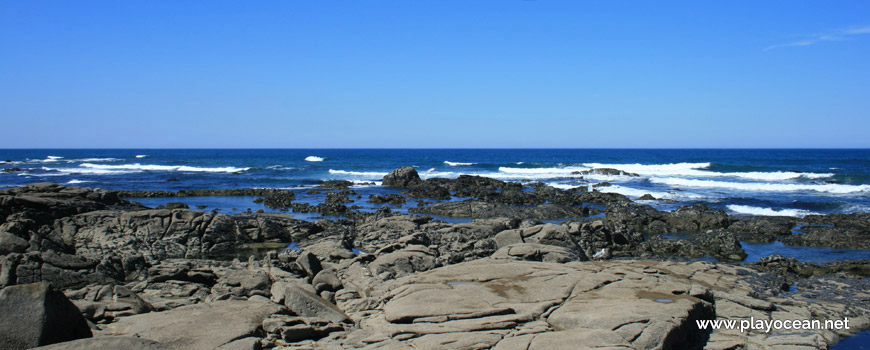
786	182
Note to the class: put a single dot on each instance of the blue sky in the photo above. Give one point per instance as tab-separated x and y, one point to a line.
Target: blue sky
227	74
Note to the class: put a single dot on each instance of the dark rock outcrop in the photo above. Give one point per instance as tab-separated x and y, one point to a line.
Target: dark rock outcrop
402	178
481	209
335	185
391	198
720	244
687	218
849	231
762	229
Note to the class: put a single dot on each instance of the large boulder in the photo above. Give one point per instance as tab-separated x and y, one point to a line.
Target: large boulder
10	243
414	258
35	314
402	177
303	301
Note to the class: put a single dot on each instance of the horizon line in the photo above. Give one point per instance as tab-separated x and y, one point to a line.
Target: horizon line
439	148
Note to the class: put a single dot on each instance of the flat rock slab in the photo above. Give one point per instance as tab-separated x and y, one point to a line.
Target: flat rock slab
200	326
108	342
509	304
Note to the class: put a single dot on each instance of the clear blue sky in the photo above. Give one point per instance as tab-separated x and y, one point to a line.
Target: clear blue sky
506	73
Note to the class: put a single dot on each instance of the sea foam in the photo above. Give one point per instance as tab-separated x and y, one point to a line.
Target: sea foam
88	160
313	159
155	167
759	186
367	174
745	209
74	182
457	163
636	192
49	159
696	170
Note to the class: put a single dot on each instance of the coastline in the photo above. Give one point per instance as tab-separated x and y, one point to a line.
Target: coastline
372	275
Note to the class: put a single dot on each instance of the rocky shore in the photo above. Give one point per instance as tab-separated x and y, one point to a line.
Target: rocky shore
85	268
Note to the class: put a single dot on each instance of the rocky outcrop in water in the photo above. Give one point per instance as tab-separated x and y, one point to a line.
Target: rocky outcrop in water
720	244
762	229
402	178
841	231
647	219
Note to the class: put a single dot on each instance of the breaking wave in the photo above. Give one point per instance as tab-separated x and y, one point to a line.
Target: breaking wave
759	186
745	209
154	167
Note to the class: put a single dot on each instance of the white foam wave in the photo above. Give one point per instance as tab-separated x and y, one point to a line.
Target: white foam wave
536	173
427	172
141	155
85	171
745	209
563	186
313	159
566	171
513	174
49	159
86	160
457	163
636	192
74	181
28	175
368	174
521	163
696	170
154	167
756	186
